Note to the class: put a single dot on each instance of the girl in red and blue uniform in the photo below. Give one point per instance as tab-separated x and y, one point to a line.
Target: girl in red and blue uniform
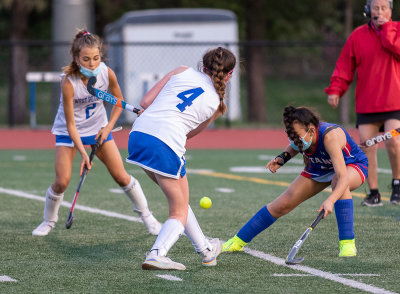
332	158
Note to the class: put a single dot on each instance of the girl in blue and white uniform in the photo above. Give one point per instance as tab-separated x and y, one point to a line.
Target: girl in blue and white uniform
178	107
80	120
332	158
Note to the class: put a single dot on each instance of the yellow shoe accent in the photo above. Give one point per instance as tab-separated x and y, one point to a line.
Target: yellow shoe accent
233	245
347	248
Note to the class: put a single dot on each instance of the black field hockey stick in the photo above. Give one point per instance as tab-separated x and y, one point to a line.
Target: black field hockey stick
108	97
296	247
380	138
70	219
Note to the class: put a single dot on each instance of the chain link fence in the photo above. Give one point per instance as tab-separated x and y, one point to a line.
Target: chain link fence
294	72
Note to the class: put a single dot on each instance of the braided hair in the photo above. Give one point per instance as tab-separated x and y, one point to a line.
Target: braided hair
82	39
301	115
218	63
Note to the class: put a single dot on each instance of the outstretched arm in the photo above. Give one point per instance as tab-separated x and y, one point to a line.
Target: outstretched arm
116	111
153	92
278	161
334	142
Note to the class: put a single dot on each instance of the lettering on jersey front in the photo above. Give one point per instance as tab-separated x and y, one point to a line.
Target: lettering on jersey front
89	99
324	161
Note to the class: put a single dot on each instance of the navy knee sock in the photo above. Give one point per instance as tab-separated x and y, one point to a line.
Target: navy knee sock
258	223
344	218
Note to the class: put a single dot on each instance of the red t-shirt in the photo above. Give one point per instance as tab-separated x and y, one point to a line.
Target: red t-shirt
375	56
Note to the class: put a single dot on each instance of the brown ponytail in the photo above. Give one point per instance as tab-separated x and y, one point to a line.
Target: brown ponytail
82	39
218	63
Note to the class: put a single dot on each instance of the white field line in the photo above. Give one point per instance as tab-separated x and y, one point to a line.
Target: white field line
255	253
170	277
308	275
318	273
225	190
68	204
263	170
7	279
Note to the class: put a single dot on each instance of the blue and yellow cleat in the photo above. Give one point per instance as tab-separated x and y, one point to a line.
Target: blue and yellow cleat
233	245
347	248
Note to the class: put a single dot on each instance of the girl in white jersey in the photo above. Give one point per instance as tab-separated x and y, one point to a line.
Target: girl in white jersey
80	120
178	107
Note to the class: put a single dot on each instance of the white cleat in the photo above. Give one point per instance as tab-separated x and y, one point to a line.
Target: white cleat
155	262
153	226
43	229
210	256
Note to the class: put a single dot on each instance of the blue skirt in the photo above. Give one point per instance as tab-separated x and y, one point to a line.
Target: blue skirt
154	155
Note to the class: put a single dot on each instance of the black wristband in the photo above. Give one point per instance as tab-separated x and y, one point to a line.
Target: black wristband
285	156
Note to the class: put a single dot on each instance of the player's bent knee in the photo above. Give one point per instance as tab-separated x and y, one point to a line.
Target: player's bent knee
60	186
280	209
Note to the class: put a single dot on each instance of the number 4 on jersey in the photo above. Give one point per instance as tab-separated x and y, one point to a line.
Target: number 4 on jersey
188	97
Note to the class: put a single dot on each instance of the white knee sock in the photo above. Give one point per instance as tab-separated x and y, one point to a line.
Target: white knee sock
195	234
170	232
135	193
52	205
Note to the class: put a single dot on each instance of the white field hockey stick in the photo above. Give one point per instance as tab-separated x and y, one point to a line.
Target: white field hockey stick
70	219
380	138
108	97
296	247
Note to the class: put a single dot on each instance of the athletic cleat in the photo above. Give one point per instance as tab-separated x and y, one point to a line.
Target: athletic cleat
155	262
233	245
210	256
372	200
43	229
153	226
395	198
347	248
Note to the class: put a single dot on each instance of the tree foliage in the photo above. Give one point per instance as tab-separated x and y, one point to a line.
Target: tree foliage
286	20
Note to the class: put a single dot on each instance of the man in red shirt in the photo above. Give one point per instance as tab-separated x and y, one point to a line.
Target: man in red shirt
373	52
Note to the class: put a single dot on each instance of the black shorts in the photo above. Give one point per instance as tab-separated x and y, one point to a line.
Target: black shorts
368	118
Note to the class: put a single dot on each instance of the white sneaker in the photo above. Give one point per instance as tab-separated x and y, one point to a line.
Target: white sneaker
155	262
43	229
153	226
210	256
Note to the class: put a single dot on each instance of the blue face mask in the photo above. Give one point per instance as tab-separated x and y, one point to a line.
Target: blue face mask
88	72
306	144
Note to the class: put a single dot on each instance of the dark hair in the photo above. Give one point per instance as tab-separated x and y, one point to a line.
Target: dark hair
301	115
218	63
82	39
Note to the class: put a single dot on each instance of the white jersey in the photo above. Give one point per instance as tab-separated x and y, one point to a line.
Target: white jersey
89	112
188	99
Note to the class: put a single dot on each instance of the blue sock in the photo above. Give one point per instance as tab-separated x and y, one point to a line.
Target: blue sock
344	218
258	223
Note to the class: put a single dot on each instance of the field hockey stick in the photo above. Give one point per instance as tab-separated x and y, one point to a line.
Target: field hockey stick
296	247
70	219
108	97
380	138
